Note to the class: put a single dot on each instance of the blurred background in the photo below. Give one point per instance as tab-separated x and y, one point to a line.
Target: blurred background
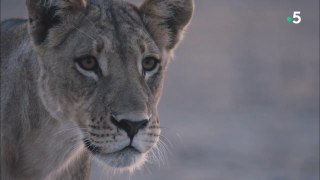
241	98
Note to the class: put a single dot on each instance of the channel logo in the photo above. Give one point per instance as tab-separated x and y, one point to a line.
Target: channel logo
296	18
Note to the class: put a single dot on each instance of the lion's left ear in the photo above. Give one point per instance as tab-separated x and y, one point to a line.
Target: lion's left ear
46	14
167	19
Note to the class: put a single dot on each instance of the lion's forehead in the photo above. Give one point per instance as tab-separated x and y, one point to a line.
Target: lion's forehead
115	31
117	20
118	24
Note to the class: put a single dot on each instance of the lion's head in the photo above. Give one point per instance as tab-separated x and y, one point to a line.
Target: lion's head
102	65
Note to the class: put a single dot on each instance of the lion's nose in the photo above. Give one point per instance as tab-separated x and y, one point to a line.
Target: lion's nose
131	127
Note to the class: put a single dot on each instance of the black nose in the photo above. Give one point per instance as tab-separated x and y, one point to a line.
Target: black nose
131	127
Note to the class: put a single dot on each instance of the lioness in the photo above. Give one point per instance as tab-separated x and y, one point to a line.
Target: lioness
82	79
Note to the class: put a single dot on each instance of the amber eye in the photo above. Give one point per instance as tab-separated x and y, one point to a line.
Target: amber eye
149	63
88	63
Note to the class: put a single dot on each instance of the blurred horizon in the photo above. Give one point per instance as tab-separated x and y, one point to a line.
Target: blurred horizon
241	97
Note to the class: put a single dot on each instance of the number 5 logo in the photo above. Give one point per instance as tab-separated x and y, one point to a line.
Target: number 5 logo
296	17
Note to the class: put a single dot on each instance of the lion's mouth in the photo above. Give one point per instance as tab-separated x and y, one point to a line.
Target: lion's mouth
126	157
97	150
129	148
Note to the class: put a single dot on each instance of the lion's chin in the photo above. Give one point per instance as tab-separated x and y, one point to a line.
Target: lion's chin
127	159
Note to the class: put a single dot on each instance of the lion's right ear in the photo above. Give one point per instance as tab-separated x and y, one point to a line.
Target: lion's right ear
167	19
46	14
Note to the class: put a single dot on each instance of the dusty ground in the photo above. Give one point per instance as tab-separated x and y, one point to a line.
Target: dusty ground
241	98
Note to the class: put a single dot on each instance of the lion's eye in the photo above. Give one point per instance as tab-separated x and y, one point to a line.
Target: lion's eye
149	63
88	63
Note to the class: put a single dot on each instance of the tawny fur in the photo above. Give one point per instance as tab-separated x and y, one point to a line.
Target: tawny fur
51	109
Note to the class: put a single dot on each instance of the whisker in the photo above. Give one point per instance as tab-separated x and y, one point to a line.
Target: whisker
165	128
158	155
167	140
67	130
164	145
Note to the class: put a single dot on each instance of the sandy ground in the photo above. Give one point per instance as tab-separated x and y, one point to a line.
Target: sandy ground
241	97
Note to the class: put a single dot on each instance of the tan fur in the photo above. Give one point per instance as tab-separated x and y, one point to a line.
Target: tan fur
55	115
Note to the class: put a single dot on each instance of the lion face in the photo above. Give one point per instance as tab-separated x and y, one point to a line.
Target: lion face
102	67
